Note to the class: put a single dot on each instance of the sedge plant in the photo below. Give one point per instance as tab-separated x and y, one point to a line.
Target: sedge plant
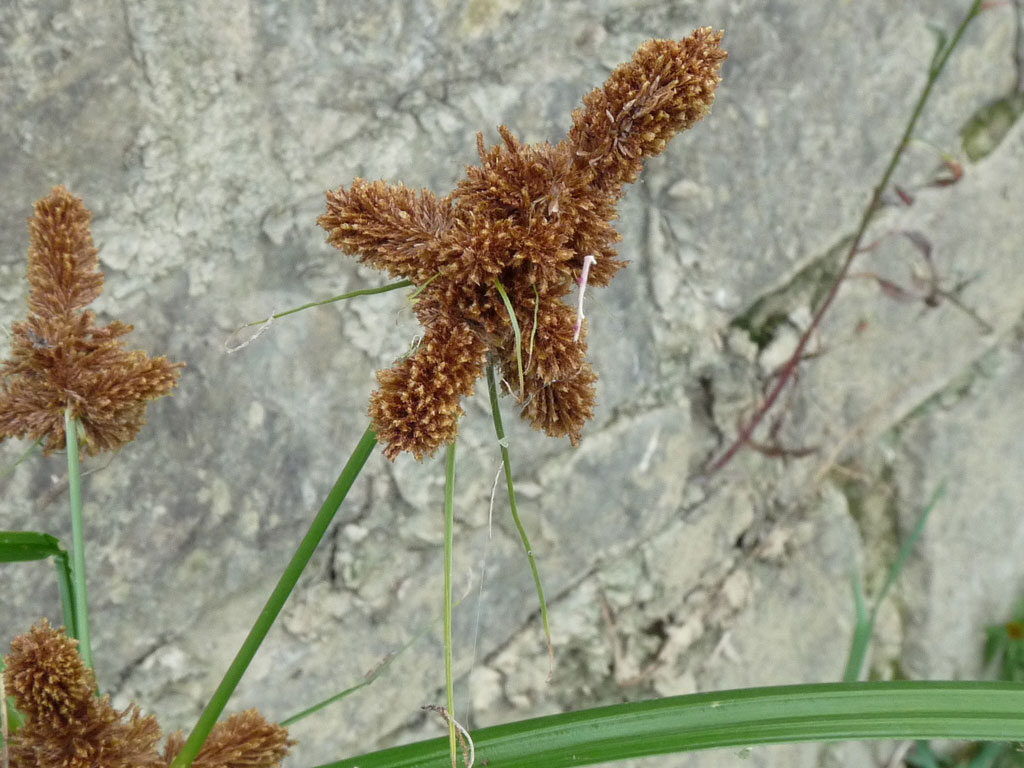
492	264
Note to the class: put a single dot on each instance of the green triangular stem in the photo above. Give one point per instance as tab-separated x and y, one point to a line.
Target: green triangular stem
81	604
276	601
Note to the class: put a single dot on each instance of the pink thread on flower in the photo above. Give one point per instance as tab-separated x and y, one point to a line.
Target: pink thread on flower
588	260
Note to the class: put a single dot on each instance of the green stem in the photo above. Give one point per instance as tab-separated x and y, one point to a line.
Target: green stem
368	680
499	430
449	536
23	546
66	589
276	600
516	331
377	671
739	718
341	297
77	539
415	294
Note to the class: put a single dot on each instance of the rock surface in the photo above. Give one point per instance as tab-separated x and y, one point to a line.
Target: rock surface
203	137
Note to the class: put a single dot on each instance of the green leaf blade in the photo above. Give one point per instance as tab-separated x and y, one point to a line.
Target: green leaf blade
743	718
25	546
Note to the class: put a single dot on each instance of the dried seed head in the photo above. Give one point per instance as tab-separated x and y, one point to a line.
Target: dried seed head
244	740
667	87
417	408
68	725
529	217
59	357
48	678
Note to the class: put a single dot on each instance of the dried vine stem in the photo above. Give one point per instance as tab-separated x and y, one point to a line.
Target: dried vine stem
943	51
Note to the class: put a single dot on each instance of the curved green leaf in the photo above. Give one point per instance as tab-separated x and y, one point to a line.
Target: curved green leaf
740	718
22	546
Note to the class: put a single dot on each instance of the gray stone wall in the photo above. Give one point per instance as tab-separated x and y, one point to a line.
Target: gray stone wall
203	135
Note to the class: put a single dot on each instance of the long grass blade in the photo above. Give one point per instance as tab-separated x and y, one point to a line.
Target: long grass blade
66	589
370	677
865	620
908	547
863	626
742	718
376	672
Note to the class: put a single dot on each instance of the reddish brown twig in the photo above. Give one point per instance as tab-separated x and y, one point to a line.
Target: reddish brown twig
789	368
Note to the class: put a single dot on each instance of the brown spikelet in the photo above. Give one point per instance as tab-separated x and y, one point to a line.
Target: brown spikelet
59	357
556	354
389	228
559	393
417	407
561	408
523	223
47	676
667	87
244	740
68	726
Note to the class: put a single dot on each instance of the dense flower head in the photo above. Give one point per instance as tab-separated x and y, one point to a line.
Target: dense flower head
244	740
517	235
67	725
60	357
47	676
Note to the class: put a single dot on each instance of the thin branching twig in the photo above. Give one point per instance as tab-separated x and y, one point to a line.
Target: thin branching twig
943	51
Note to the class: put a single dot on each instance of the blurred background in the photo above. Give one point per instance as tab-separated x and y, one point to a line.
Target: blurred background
203	137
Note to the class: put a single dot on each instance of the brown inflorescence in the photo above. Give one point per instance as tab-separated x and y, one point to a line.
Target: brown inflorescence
68	726
66	723
60	357
522	222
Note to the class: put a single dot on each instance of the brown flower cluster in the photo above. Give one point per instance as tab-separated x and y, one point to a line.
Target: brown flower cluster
522	222
68	726
60	357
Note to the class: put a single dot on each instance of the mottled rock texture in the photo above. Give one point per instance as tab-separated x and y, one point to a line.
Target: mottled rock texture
203	135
